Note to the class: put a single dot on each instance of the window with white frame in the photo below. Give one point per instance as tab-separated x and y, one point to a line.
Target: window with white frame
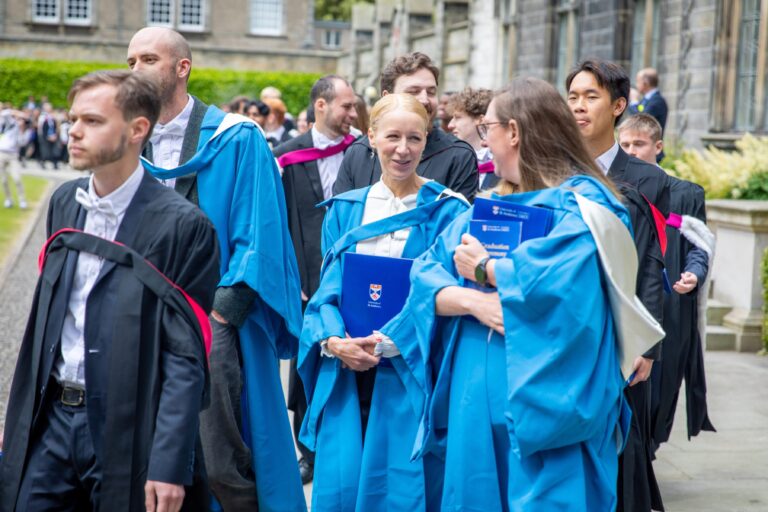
160	13
184	15
267	17
70	12
45	11
332	39
77	12
191	15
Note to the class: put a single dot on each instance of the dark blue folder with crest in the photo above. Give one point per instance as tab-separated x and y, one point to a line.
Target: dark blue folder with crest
499	237
536	221
373	291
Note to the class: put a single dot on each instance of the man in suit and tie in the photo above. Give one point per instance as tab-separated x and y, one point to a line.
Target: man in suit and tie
651	101
310	164
256	315
111	374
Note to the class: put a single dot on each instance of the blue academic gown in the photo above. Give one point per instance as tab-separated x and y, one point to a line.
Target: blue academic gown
532	420
378	475
241	192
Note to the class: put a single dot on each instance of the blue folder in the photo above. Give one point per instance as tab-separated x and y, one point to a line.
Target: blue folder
536	221
499	237
373	291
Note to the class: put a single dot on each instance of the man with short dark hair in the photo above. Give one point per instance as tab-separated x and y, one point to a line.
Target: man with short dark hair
598	93
310	164
222	162
111	375
445	159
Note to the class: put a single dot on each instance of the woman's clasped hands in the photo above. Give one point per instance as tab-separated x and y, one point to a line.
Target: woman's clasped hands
355	353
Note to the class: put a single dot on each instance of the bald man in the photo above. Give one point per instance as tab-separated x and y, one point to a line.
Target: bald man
222	163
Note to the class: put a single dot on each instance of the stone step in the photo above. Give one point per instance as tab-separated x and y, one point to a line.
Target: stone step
720	338
716	310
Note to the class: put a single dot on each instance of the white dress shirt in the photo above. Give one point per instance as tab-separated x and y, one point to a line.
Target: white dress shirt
380	204
167	140
276	134
328	167
605	160
103	220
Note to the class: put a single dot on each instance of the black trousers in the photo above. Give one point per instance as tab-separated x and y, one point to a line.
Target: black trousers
62	472
297	402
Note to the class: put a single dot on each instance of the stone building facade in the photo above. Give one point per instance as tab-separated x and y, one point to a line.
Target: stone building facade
711	54
273	35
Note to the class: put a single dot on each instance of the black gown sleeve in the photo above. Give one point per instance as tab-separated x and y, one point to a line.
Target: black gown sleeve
183	366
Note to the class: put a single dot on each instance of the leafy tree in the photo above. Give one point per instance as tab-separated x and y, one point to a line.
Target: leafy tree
340	10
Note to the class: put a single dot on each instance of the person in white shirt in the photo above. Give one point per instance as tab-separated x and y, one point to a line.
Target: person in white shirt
10	143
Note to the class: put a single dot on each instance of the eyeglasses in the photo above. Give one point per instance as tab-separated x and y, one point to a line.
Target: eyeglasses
482	129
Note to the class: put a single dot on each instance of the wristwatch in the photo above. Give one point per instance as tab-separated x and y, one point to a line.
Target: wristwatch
481	275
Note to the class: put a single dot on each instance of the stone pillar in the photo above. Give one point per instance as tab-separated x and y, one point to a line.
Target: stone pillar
741	228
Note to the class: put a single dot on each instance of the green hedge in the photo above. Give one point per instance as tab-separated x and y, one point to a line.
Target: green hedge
20	78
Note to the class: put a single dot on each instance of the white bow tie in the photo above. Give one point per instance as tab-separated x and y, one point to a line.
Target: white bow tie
168	130
104	207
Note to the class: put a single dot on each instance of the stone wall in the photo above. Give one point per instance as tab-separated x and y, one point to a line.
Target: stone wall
226	41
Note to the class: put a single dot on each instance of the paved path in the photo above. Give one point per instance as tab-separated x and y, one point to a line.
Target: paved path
722	472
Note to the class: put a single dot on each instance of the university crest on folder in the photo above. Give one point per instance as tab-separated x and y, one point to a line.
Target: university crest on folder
374	291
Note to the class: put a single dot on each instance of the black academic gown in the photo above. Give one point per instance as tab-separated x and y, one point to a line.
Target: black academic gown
145	366
638	490
446	159
303	192
682	354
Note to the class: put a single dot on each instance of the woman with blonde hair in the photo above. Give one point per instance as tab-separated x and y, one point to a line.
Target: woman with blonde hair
364	396
527	405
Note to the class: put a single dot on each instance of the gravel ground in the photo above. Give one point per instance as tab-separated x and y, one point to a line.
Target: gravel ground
15	300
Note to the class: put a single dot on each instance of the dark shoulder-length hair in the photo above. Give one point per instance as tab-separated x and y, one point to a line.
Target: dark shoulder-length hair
551	146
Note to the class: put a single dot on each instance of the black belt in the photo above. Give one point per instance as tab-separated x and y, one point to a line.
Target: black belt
70	396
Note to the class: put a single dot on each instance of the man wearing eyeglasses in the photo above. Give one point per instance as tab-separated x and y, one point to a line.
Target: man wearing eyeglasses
446	159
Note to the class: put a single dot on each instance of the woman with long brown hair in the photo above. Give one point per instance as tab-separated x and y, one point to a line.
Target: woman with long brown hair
526	407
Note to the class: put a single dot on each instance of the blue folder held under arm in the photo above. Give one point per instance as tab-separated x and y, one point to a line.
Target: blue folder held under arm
536	221
373	291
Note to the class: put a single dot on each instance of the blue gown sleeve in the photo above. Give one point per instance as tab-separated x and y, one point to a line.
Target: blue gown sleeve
322	318
562	365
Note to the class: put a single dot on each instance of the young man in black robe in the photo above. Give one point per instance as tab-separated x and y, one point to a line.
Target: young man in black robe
446	159
111	374
687	265
598	94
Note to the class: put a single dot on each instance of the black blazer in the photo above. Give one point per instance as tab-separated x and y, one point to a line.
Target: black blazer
303	191
446	159
137	355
